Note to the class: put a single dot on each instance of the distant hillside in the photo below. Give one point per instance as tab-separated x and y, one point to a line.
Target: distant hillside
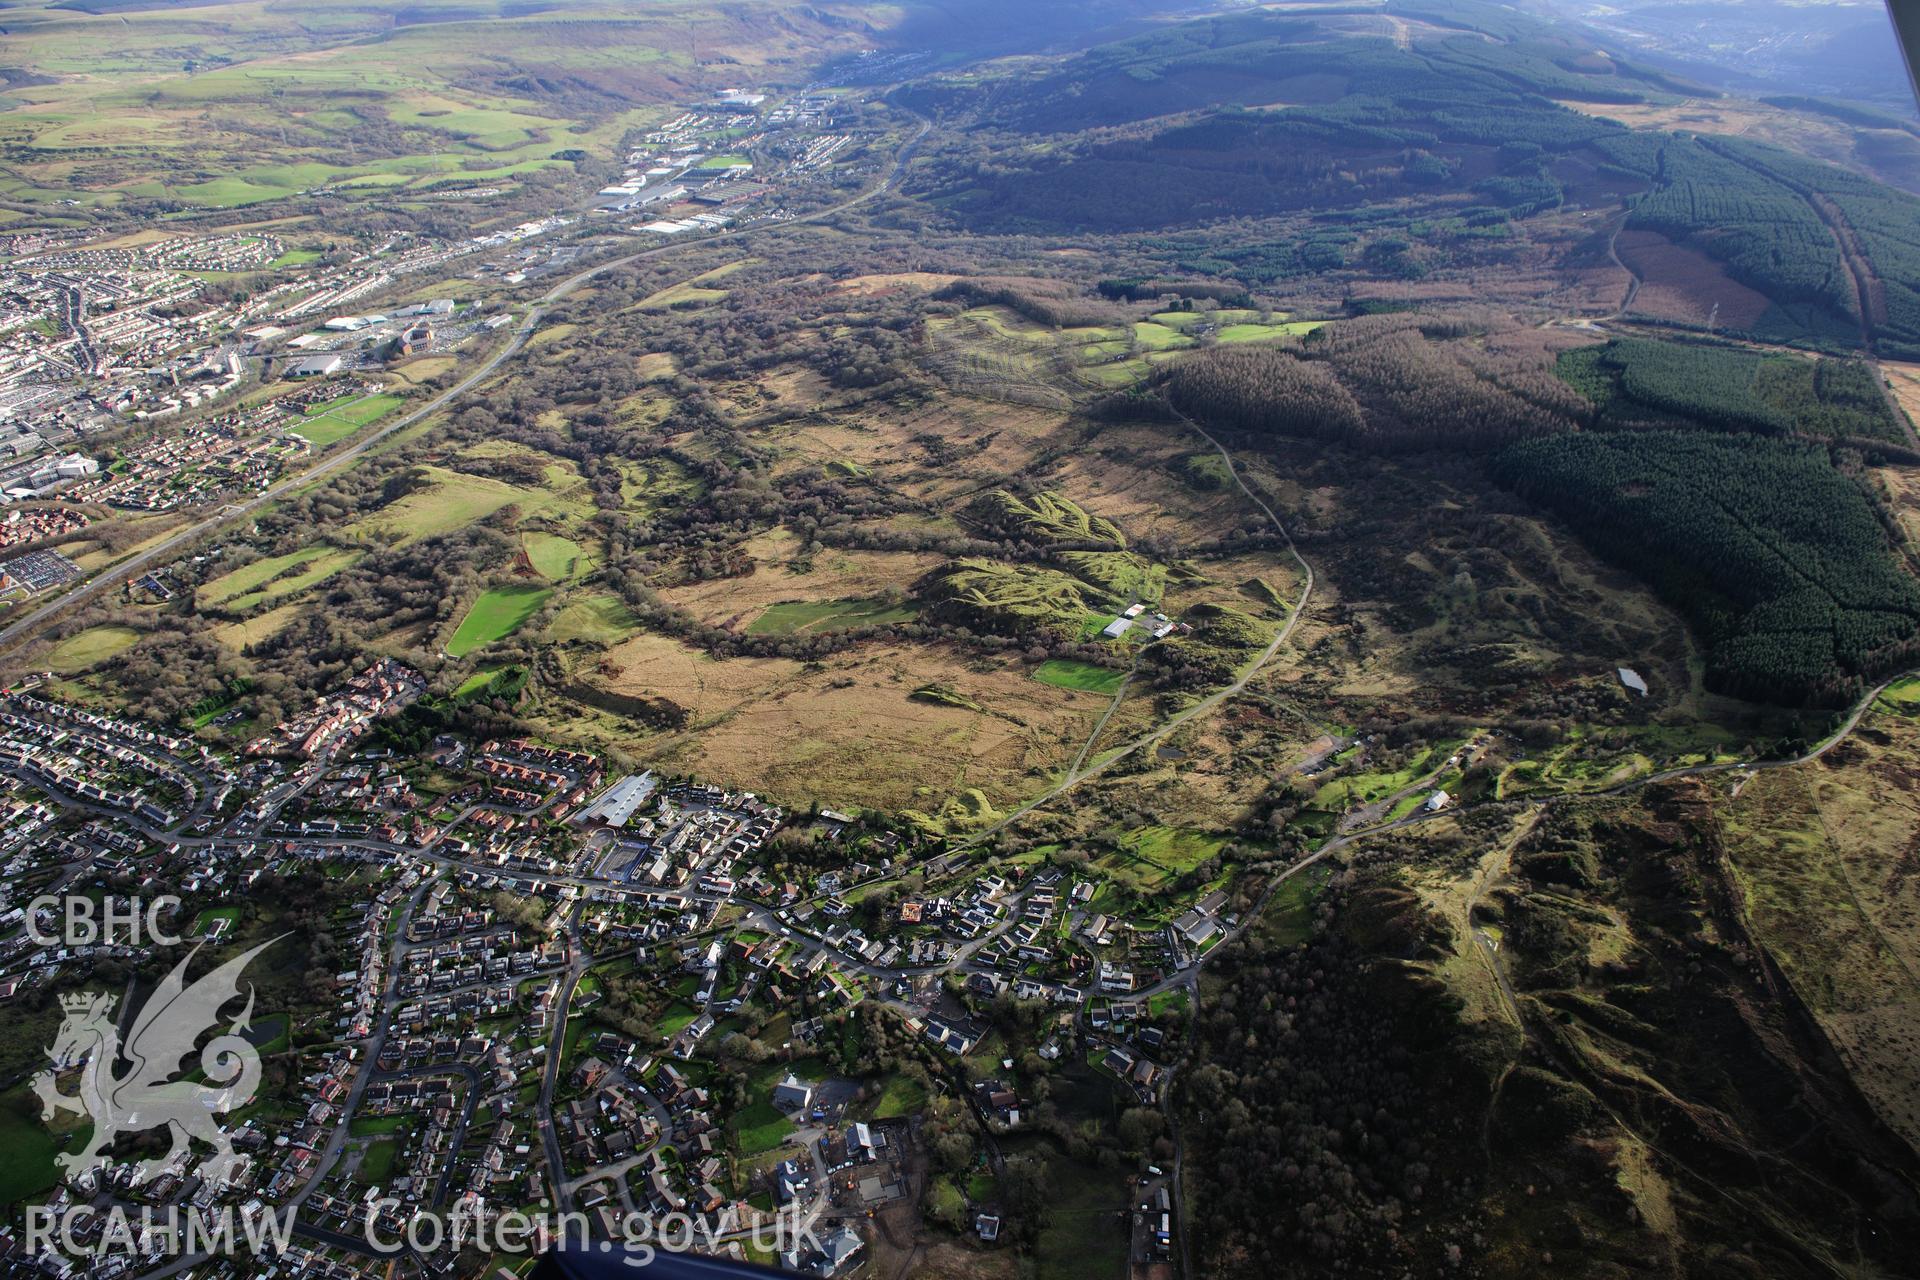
1391	130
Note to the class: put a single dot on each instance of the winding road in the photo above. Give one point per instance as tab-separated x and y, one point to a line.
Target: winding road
1081	770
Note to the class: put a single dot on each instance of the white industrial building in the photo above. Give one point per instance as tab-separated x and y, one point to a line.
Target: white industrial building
319	366
619	802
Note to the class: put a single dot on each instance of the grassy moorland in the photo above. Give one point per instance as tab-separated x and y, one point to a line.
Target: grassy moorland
357	98
841	523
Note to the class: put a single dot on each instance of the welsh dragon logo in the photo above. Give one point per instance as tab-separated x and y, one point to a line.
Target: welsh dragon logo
146	1096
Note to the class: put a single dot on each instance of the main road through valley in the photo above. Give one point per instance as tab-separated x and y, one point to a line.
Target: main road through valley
25	627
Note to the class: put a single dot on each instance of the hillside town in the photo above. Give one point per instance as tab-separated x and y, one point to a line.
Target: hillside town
506	972
548	968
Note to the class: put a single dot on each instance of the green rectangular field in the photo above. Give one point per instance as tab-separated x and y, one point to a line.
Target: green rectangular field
1174	849
1267	332
338	419
377	1164
594	620
450	500
251	576
1903	694
315	573
902	1096
1157	337
90	648
476	682
497	614
1083	1235
759	1127
29	1168
272	577
557	558
1065	673
676	1019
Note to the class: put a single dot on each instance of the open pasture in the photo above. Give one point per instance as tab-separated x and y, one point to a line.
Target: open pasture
496	614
